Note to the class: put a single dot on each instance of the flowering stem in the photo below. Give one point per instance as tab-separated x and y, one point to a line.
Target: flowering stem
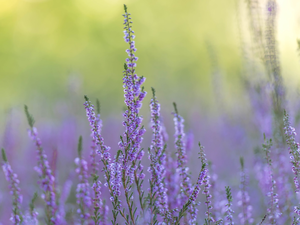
94	163
132	137
273	209
139	188
104	153
181	153
47	180
157	170
12	178
293	149
97	202
83	194
207	186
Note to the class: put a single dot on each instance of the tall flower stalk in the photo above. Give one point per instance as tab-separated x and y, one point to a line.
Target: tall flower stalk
93	154
158	199
97	201
185	184
191	203
294	150
12	179
273	209
206	191
104	152
83	192
130	144
47	180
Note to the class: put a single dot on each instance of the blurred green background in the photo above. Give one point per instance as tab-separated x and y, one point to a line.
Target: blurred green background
60	49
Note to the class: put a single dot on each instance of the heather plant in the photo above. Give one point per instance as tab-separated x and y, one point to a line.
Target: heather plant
157	197
273	210
83	194
110	185
47	180
12	178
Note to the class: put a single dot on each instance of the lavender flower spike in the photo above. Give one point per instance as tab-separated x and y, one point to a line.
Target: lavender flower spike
294	149
116	177
181	155
94	163
157	158
13	181
207	186
191	202
132	137
134	95
200	180
103	150
185	184
47	180
273	209
83	194
97	201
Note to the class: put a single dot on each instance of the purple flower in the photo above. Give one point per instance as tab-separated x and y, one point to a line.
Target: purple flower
185	184
13	181
157	160
132	137
294	149
200	181
181	156
294	152
97	201
273	209
116	175
103	150
47	180
94	163
82	192
206	189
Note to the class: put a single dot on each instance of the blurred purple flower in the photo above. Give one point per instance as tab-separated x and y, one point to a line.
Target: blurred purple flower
13	181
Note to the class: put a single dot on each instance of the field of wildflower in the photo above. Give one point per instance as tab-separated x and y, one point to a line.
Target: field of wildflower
227	169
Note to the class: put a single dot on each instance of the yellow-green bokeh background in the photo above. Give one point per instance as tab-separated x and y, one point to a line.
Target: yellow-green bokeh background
46	45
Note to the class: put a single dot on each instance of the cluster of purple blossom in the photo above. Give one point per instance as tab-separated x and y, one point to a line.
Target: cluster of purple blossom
171	196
